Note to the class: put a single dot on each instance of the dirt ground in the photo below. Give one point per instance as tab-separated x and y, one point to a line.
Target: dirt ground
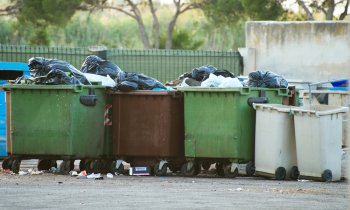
206	191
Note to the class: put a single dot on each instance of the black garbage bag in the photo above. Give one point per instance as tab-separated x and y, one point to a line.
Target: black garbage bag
24	79
192	82
57	77
224	73
96	65
185	75
41	67
266	79
142	81
127	86
202	73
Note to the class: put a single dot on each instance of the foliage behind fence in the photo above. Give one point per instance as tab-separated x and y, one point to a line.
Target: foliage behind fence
164	65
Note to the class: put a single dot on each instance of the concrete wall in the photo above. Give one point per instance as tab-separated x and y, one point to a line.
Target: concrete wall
306	51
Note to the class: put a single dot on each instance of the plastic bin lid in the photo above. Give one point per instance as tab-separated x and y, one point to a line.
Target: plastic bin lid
320	109
277	107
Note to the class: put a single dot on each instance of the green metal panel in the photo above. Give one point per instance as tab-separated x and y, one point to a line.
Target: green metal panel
51	120
167	65
219	123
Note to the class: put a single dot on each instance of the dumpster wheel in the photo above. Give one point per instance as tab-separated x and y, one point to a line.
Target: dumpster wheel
227	171
82	165
174	168
250	168
280	173
120	169
206	165
16	166
45	164
97	166
105	166
162	171
7	163
327	175
66	166
190	169
219	169
294	173
89	166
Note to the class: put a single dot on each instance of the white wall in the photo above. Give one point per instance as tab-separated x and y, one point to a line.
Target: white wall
306	51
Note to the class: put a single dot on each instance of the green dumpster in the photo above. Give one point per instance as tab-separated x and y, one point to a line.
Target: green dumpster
220	127
57	122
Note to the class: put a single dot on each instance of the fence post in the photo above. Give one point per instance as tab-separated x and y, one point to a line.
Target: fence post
100	51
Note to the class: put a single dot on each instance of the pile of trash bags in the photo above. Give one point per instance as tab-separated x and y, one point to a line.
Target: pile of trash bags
266	79
52	72
94	69
210	76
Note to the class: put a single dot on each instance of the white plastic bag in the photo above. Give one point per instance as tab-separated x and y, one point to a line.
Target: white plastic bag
212	81
183	83
106	81
230	82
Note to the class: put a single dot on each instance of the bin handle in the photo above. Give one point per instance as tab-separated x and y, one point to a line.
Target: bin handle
262	99
245	91
257	100
78	88
89	100
283	92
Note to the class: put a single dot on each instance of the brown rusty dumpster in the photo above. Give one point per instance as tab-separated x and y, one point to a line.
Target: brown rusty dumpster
148	129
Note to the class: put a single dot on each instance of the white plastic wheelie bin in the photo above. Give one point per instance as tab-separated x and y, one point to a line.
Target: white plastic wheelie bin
275	150
318	132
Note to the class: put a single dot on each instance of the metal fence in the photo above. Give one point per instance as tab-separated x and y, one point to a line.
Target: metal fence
164	65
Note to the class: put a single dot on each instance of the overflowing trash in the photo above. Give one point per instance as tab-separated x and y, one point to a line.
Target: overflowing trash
203	72
106	81
221	82
96	70
96	65
207	76
136	81
54	72
45	71
266	79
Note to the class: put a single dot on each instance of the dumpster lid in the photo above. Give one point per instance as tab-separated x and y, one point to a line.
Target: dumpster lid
277	107
14	66
320	109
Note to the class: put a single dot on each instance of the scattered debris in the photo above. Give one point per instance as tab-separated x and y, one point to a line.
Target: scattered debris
36	172
94	176
21	173
73	173
110	176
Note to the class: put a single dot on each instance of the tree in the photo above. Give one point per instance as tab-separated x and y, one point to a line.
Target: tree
326	7
40	14
227	18
233	11
134	9
182	39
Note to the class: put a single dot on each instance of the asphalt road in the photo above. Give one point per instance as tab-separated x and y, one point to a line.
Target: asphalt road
206	191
